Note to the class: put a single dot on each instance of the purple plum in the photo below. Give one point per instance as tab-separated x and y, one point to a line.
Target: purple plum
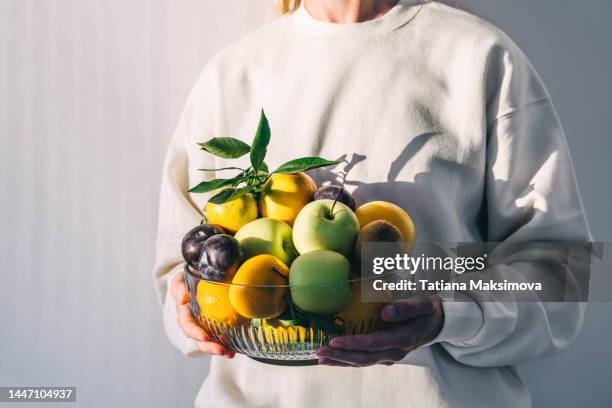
194	241
220	258
336	192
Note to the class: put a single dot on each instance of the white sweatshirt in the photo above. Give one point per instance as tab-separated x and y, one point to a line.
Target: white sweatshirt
457	129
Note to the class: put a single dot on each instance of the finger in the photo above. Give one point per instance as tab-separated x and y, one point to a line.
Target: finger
189	326
334	363
407	309
377	341
364	342
215	349
405	336
361	358
179	289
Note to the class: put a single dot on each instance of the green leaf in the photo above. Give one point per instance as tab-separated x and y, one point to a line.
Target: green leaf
206	186
226	147
263	168
237	180
303	164
229	194
260	142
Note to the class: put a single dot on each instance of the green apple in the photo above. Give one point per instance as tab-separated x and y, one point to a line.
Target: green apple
316	227
319	282
267	236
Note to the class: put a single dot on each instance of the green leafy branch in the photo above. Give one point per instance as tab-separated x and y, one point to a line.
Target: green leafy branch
252	179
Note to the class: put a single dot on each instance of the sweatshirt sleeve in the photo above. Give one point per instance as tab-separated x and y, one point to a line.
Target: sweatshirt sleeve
180	211
531	196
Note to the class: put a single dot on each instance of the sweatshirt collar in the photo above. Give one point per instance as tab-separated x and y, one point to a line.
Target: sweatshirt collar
310	28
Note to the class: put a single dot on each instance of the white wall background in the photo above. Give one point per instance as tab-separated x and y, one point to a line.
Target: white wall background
90	91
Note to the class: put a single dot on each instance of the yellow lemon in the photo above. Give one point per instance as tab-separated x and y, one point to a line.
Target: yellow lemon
213	299
360	316
277	331
382	210
233	214
255	290
284	195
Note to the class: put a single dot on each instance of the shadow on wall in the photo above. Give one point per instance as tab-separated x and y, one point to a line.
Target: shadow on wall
417	196
563	265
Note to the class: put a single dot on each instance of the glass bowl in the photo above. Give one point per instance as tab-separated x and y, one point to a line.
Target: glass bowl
293	335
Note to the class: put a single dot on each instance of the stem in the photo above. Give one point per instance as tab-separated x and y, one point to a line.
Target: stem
267	178
339	193
331	212
224	168
260	179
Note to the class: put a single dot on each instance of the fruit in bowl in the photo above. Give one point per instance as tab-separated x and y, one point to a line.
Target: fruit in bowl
280	332
269	276
259	287
214	304
319	282
377	231
325	224
192	244
284	195
267	236
392	213
220	258
232	215
336	193
277	330
360	316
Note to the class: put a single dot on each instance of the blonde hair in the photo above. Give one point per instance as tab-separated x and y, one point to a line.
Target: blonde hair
287	6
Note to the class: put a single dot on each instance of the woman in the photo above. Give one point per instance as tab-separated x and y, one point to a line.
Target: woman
456	127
